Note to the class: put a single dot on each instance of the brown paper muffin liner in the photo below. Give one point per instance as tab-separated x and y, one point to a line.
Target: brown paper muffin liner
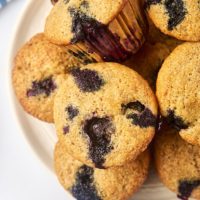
82	52
121	38
131	26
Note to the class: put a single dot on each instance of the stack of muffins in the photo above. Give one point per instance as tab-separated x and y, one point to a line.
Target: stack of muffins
94	72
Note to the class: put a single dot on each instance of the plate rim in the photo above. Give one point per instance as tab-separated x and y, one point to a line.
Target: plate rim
11	94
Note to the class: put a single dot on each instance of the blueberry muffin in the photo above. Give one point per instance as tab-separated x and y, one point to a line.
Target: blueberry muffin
148	68
178	91
178	18
105	114
114	29
177	163
34	76
86	183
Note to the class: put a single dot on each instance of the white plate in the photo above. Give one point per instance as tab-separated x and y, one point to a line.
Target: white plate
41	136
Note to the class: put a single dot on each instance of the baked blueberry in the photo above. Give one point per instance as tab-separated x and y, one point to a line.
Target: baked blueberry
45	86
84	188
139	114
72	112
65	130
176	11
87	80
99	131
175	121
186	188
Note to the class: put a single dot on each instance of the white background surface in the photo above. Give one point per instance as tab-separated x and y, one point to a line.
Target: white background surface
22	176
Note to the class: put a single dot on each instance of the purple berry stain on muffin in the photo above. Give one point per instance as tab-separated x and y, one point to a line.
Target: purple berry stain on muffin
186	188
98	37
139	114
87	80
45	86
176	121
72	112
84	188
99	131
65	130
176	11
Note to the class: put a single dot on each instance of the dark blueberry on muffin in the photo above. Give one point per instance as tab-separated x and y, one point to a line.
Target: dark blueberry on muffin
99	131
45	86
87	80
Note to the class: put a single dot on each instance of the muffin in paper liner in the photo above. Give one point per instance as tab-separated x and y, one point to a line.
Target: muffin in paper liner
113	29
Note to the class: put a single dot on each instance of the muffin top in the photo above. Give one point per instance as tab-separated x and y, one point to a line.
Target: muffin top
85	182
34	76
105	114
177	163
64	23
178	18
178	90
